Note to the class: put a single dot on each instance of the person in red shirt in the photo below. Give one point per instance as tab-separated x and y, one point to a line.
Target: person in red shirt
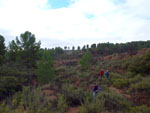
101	73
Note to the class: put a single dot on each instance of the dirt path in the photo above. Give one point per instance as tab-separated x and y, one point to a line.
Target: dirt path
73	110
120	92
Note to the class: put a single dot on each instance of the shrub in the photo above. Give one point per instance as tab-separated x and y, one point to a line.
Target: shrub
140	109
92	107
67	80
30	100
13	70
125	64
74	96
84	74
62	104
8	86
60	69
103	81
142	85
113	101
129	74
115	75
120	83
135	79
142	66
106	100
84	83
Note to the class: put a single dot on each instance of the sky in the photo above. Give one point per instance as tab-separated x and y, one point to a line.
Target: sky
76	22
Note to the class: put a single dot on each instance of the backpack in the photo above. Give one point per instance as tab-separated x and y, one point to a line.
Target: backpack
107	73
96	89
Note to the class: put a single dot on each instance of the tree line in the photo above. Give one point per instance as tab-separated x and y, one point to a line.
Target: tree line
27	51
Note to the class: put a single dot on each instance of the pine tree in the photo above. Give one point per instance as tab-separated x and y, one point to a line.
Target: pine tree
2	48
45	71
73	48
29	49
86	61
78	48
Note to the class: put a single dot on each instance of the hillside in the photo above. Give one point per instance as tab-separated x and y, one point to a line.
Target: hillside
125	90
37	80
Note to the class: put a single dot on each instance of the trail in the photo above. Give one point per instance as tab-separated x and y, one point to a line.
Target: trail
120	92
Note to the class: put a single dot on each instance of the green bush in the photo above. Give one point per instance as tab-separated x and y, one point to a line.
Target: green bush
13	71
70	71
8	86
62	104
129	74
142	66
92	107
140	109
84	83
103	81
120	83
106	100
60	69
4	108
113	101
74	96
13	78
84	74
67	80
30	100
142	85
115	75
125	64
135	79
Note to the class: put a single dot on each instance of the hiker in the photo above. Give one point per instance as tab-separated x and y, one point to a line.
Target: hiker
101	73
95	90
107	74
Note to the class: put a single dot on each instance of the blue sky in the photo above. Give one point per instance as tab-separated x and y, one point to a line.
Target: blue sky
89	16
119	1
58	3
76	22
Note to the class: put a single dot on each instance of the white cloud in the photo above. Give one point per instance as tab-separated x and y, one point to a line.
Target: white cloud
111	22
